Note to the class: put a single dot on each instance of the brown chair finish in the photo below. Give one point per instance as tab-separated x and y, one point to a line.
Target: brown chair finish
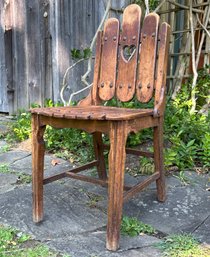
142	74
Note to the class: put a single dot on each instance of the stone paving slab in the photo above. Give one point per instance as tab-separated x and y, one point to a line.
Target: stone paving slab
93	244
7	182
24	165
184	210
12	156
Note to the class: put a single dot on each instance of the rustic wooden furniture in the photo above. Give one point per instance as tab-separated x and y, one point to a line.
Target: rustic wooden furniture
130	62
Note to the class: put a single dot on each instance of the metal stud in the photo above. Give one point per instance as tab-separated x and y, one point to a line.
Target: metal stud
153	34
144	36
134	37
140	86
124	38
120	86
105	38
114	38
111	85
148	86
129	86
102	84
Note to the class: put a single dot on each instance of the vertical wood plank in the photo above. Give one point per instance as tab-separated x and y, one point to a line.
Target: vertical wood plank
108	69
148	50
129	44
20	54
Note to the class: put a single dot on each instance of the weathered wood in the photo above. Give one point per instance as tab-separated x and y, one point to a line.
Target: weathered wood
129	45
75	170
99	154
159	161
109	56
135	152
117	122
148	49
160	83
117	155
37	167
139	187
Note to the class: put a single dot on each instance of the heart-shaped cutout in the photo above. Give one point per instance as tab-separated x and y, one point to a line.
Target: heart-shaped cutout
128	52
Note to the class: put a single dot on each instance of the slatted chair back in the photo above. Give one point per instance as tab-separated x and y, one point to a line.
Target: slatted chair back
131	60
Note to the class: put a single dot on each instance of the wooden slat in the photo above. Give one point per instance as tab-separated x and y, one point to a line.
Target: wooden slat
93	112
94	93
160	84
129	41
63	175
109	59
134	152
148	49
139	187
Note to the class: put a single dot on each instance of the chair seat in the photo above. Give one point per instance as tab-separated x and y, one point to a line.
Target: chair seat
93	112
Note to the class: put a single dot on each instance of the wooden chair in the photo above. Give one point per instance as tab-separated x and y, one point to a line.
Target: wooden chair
130	62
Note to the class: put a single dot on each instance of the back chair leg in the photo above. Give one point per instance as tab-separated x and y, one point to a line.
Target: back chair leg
159	161
117	155
37	168
99	155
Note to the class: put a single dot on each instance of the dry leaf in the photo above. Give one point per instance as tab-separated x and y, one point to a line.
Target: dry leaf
55	162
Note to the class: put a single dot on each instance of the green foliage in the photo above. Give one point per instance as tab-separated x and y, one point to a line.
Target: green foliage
12	245
133	227
152	3
80	54
146	166
183	245
21	128
4	168
5	148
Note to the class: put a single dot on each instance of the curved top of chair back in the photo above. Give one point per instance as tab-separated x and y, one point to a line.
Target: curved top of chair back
131	60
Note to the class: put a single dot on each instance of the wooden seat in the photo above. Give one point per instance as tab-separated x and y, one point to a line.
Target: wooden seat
131	61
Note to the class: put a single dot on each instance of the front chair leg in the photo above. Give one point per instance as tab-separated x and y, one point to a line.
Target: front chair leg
117	155
159	161
37	167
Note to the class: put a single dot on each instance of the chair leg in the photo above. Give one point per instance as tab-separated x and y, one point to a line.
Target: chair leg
99	154
37	168
158	159
117	155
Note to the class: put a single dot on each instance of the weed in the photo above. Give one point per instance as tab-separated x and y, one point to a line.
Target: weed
146	166
94	199
5	149
13	243
24	179
182	177
182	245
4	168
133	227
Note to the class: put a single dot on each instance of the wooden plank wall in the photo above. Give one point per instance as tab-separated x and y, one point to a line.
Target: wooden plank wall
36	37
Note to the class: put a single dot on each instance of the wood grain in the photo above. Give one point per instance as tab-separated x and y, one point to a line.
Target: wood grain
109	59
126	78
147	61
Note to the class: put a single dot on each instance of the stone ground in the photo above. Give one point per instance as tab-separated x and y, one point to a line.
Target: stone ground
75	212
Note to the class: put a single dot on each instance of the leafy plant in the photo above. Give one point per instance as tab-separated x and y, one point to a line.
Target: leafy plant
4	168
5	148
133	227
182	245
79	54
12	244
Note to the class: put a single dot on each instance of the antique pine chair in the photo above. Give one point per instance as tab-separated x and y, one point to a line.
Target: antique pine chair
141	75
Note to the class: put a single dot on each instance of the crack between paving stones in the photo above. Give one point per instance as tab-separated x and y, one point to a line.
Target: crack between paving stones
198	226
136	248
19	159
